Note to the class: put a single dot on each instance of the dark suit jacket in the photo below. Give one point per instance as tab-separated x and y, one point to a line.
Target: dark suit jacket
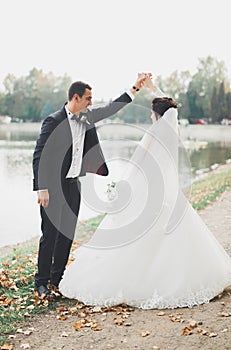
53	152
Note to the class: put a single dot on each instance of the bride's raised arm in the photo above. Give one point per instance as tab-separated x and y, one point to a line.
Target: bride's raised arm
157	92
148	83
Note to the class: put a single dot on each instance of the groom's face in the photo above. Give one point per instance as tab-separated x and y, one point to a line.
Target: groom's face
85	100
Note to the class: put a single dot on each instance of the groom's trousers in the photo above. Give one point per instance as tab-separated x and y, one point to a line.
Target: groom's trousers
58	224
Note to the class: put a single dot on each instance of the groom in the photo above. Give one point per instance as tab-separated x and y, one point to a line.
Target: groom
66	149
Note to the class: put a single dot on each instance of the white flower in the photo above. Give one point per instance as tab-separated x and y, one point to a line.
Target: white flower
111	191
84	119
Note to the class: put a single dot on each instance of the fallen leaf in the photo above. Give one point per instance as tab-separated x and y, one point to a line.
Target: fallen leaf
213	334
6	282
73	310
176	318
25	346
119	321
64	335
145	333
27	332
78	325
32	329
202	331
187	331
161	313
192	324
224	330
62	317
225	314
119	310
19	330
30	307
97	309
6	301
7	346
62	309
95	325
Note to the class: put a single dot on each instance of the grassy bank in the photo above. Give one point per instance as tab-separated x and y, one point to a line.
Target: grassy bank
18	303
207	190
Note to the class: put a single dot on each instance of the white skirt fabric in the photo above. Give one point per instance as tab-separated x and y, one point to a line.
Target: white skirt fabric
153	251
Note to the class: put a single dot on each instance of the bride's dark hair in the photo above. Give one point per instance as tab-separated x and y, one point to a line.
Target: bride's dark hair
161	104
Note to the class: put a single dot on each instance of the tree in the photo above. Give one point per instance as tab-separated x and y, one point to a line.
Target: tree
175	85
194	109
214	106
228	104
47	109
210	73
3	110
222	107
27	97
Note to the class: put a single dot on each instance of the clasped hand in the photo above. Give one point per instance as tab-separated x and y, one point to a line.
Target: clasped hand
144	80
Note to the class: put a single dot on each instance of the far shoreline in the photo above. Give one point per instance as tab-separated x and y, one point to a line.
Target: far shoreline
208	132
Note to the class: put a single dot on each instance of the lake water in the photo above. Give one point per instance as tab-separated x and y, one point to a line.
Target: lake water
19	212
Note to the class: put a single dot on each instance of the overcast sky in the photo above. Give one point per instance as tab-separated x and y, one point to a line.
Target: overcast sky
106	42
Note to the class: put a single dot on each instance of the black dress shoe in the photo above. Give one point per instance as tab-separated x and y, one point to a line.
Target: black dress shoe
43	292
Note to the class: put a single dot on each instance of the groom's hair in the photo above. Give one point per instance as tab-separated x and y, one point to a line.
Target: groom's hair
161	104
77	87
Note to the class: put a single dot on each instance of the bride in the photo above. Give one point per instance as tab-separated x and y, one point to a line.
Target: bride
152	249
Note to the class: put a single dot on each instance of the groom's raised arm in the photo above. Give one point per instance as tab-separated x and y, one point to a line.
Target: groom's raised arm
120	102
111	108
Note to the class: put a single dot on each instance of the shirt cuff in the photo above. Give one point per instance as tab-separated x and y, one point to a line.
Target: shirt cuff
130	94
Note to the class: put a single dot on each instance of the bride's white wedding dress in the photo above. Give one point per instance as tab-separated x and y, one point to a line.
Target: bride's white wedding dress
152	250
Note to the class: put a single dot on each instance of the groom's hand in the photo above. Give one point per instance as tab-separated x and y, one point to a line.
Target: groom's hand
43	198
148	83
140	81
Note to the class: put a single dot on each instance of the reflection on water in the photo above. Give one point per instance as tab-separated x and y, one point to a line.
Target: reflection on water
214	152
19	212
19	132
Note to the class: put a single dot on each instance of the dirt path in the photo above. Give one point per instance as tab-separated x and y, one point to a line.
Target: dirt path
121	328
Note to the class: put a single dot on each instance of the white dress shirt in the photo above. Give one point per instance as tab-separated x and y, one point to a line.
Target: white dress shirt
78	130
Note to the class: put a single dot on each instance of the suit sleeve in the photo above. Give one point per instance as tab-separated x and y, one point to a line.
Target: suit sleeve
111	108
48	126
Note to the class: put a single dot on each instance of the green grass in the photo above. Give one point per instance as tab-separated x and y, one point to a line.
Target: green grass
88	227
207	190
17	300
16	291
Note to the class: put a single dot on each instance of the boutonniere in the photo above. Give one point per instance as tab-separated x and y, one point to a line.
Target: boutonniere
111	190
84	119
